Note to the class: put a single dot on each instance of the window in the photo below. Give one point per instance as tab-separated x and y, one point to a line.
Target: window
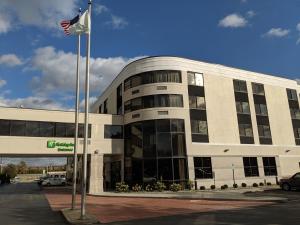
113	131
32	129
295	113
264	131
60	130
163	144
297	132
199	127
18	128
270	166
178	144
195	79
100	108
153	101
261	109
4	128
119	99
292	94
177	125
160	76
258	89
240	86
245	130
105	107
203	168
197	102
250	167
47	129
242	107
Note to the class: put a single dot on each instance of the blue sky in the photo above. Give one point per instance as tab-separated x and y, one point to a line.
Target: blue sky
37	61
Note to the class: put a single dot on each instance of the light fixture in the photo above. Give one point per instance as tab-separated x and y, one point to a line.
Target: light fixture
96	152
286	151
226	150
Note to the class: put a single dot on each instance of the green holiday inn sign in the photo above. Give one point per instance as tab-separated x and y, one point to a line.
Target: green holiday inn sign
60	146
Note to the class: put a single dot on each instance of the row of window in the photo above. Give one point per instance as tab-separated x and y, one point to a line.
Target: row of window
203	167
153	101
241	86
159	76
113	131
40	129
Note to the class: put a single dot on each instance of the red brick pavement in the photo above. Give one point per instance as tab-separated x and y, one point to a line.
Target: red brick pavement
113	209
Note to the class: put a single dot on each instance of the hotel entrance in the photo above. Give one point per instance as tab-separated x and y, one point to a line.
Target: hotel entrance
112	171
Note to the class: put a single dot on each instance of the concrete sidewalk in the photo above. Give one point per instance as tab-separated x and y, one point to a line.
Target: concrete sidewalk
225	195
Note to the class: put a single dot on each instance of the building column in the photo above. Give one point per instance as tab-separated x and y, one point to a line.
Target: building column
96	174
191	170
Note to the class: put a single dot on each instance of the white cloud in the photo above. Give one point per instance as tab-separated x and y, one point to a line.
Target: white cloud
10	60
2	83
250	14
5	25
92	100
117	22
39	13
277	32
98	9
58	71
233	21
32	102
244	1
298	27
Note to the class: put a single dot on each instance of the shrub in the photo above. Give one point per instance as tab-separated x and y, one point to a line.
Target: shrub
137	188
255	185
175	187
202	187
261	184
159	186
244	185
225	186
269	184
213	187
149	187
190	185
235	186
122	187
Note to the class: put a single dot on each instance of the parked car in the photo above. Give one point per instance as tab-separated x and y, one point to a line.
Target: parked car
43	178
288	184
54	181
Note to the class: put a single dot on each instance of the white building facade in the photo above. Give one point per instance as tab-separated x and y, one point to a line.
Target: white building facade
174	119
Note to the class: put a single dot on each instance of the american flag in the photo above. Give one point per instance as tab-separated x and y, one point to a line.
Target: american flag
65	24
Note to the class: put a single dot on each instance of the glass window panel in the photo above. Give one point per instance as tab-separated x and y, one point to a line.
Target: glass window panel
70	130
150	171
137	140
263	109
246	108
60	130
47	129
178	145
199	79
113	131
18	128
202	127
201	103
80	130
32	129
179	169
163	144
258	89
4	127
191	78
136	104
193	102
239	108
137	171
165	169
203	168
163	125
149	141
177	125
175	101
136	81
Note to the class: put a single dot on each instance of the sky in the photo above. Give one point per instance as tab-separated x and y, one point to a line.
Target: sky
38	62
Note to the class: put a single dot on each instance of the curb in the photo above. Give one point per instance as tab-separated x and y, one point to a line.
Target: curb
73	217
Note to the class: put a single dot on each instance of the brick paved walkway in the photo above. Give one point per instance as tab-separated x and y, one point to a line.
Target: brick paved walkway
113	209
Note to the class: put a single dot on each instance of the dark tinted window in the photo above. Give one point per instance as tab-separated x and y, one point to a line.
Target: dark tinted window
163	125
240	86
4	127
258	89
47	129
250	167
70	130
292	94
203	168
113	131
165	169
32	129
179	169
163	144
159	76
60	130
18	128
270	168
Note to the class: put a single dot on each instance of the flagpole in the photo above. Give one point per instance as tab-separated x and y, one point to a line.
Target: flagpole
76	124
86	118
